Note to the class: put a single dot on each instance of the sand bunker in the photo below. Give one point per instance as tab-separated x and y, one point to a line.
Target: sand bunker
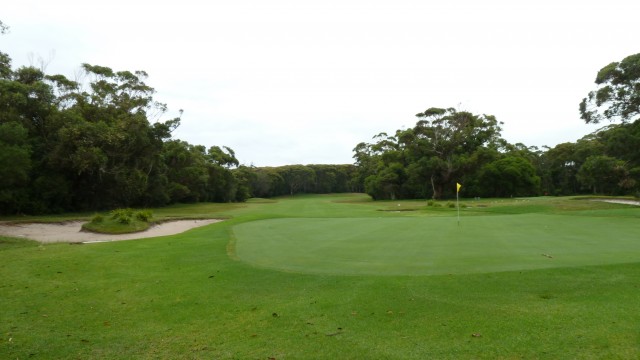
72	231
619	201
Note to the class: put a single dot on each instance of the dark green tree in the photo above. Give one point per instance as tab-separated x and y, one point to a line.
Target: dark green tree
509	176
604	174
618	94
187	171
454	143
15	166
298	178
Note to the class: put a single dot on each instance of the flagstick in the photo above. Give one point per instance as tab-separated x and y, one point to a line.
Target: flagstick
458	205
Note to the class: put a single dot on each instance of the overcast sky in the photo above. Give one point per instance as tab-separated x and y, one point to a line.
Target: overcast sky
303	82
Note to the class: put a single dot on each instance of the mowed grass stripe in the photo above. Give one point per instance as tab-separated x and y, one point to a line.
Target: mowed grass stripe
436	245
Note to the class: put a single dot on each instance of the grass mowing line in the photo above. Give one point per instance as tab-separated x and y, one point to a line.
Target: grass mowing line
434	245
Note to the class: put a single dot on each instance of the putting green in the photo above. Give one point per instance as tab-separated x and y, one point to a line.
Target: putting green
436	245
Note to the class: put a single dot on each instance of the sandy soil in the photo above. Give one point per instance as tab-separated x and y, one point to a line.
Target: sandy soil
71	231
620	201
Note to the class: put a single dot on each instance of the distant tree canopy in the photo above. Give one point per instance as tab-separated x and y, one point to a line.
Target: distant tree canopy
444	147
103	143
618	94
67	145
298	179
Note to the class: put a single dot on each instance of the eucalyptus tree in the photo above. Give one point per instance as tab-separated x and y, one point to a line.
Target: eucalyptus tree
382	166
605	174
298	178
452	144
15	166
617	96
107	147
509	176
28	117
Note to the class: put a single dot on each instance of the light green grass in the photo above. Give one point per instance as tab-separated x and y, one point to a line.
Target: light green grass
427	246
187	297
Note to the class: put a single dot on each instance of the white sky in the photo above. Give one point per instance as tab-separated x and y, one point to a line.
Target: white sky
303	82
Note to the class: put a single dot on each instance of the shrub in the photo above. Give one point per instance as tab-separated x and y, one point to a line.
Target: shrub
144	215
97	218
450	204
122	216
431	203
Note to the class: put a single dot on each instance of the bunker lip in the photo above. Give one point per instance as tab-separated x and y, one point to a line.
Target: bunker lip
71	231
619	201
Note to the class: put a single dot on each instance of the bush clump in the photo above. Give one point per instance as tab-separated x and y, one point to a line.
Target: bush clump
97	218
144	215
123	216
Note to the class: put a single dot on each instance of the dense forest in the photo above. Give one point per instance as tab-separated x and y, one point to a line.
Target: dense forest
447	146
101	141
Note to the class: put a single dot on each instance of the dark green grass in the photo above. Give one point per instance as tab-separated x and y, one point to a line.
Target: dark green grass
112	226
183	297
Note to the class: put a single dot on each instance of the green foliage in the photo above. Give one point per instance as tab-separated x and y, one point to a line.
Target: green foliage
144	215
64	146
618	94
120	221
123	216
296	179
445	147
509	176
15	165
603	174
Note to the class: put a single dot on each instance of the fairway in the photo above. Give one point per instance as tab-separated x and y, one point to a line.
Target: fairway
436	245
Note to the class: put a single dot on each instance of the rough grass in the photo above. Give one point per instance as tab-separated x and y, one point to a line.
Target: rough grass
184	297
113	226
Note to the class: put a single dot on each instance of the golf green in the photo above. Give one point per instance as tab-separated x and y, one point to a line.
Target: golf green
436	245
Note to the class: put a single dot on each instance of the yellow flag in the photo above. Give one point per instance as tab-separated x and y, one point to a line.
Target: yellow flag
458	186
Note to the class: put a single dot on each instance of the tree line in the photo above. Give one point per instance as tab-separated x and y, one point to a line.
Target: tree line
101	141
101	144
447	146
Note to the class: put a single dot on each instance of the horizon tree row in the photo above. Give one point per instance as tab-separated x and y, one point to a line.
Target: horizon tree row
445	146
99	143
303	179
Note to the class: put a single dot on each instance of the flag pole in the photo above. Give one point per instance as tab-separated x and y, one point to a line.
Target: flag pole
458	186
458	206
